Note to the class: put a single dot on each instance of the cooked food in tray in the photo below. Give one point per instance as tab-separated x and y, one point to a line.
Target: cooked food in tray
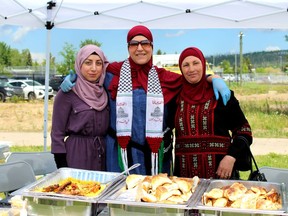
72	186
237	195
161	188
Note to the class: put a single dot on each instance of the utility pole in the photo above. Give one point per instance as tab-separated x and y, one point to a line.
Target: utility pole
235	71
281	63
241	56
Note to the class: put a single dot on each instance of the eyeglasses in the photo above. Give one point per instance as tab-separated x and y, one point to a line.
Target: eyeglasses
144	43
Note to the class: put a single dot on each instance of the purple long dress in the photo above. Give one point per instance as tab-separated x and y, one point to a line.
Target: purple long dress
79	131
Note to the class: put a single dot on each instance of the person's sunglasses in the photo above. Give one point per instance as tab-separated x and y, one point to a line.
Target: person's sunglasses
144	43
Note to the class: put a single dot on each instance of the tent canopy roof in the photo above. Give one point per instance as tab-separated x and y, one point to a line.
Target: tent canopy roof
155	14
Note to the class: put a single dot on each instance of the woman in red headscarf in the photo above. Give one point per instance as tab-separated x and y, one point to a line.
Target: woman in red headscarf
142	101
147	95
203	125
144	92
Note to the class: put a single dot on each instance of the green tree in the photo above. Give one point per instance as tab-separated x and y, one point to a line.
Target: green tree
3	71
16	58
26	57
286	58
68	53
246	64
226	66
52	61
5	57
159	52
90	41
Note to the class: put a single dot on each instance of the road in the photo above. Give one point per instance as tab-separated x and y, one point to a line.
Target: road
260	146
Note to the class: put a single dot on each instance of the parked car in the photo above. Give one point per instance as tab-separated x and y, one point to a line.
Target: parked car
7	90
3	94
32	89
3	91
15	90
55	82
3	79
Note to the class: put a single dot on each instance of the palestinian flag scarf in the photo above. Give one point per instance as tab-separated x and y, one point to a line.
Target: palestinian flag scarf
154	114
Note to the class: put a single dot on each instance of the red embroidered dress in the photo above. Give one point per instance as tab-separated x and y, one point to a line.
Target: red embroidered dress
202	136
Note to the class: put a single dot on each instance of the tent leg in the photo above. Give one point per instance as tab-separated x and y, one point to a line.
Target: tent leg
47	71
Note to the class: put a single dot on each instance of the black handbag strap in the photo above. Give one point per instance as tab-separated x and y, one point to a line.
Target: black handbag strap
251	154
254	161
255	175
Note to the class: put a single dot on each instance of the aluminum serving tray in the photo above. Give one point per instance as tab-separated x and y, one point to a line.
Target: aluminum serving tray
280	188
129	198
103	177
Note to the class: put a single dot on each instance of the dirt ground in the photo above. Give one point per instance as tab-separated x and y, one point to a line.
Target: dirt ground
30	123
29	116
271	95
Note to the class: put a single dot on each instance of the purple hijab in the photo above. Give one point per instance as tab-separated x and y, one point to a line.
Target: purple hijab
93	94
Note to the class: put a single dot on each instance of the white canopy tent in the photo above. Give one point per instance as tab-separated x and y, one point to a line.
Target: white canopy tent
155	14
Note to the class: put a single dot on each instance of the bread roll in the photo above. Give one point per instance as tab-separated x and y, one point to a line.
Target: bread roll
132	180
159	180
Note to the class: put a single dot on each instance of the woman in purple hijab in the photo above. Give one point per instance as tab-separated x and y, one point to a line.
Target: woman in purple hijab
80	117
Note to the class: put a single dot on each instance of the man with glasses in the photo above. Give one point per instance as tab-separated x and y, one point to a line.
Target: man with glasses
142	99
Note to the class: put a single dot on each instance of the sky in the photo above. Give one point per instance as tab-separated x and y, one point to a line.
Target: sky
210	41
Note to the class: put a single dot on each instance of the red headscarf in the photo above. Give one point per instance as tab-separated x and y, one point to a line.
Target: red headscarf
139	30
170	82
201	91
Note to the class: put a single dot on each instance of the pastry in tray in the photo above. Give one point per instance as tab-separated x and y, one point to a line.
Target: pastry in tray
161	188
237	195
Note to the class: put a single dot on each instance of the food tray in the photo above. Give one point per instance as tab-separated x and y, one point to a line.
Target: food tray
280	188
129	198
106	178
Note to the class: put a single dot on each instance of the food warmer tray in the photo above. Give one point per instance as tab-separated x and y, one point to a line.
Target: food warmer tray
280	188
110	179
129	198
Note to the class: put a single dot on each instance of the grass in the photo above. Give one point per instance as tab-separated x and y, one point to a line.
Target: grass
264	105
268	126
249	88
270	160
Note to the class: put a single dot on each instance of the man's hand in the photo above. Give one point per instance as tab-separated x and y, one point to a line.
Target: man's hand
219	85
69	81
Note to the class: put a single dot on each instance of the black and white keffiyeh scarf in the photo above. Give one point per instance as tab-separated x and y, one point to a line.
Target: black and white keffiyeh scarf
154	114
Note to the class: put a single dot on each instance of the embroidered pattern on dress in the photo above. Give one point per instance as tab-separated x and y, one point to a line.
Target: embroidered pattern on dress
196	149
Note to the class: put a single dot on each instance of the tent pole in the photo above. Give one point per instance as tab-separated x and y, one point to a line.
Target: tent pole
49	25
48	35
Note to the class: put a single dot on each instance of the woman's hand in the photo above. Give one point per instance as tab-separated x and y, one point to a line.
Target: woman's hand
225	167
219	86
69	81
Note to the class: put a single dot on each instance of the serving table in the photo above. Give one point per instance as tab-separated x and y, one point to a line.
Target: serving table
115	200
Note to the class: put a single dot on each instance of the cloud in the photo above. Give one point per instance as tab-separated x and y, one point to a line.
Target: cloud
272	48
5	30
38	57
20	33
177	34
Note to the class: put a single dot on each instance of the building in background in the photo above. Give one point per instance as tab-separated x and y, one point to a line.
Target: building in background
170	62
